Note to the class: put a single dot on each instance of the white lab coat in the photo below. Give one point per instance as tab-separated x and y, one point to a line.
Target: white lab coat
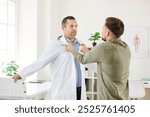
63	72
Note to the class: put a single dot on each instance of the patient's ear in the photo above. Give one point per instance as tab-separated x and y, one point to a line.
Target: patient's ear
107	33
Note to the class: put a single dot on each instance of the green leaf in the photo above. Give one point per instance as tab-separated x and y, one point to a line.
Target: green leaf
11	68
94	37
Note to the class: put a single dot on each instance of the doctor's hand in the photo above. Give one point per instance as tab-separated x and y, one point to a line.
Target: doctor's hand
69	47
16	77
84	49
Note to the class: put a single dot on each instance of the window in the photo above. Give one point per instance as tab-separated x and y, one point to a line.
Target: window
7	30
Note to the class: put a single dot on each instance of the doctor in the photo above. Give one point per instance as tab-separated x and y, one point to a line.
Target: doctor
67	80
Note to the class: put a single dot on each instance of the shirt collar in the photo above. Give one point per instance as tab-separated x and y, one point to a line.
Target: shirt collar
70	41
118	41
114	40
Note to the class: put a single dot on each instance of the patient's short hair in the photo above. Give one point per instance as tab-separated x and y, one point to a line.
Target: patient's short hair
115	25
64	21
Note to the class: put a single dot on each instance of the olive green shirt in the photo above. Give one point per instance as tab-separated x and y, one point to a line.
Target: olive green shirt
113	61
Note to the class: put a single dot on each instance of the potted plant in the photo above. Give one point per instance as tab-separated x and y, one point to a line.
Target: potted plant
94	37
10	68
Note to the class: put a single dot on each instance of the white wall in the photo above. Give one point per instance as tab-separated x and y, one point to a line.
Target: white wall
91	14
55	20
43	33
27	32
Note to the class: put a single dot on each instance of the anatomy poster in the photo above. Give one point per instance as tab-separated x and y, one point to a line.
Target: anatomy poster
137	39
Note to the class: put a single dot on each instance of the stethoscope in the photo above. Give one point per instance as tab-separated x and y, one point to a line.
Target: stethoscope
59	37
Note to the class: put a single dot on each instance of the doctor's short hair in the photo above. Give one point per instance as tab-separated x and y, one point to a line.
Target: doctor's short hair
64	21
115	25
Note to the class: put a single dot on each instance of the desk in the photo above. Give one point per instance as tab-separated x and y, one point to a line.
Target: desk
37	91
146	84
22	91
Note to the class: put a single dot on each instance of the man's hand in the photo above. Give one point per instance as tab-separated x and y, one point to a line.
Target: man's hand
84	49
16	77
69	47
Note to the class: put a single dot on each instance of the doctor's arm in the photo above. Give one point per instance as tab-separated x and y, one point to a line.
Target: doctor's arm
48	56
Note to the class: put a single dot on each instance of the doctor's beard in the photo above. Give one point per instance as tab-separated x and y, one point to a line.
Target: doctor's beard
73	35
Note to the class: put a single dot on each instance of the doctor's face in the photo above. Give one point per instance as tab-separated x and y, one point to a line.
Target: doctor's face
70	29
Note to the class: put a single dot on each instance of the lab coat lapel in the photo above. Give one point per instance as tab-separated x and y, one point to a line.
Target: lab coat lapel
63	86
64	76
83	90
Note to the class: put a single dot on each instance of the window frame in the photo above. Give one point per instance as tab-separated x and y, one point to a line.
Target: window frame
7	50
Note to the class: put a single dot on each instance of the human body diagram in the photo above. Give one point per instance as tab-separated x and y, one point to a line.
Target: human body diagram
136	43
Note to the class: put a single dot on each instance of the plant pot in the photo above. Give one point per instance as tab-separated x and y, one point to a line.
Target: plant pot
94	44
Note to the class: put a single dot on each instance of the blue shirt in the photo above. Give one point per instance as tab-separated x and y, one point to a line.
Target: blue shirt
76	45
